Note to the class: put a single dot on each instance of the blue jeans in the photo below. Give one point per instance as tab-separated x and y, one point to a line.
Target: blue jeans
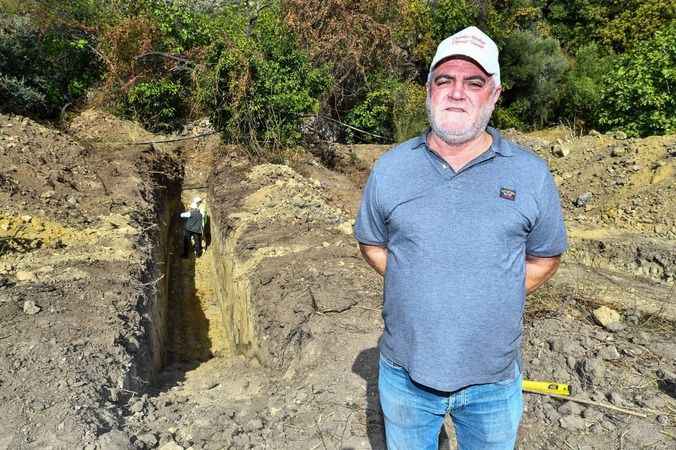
485	416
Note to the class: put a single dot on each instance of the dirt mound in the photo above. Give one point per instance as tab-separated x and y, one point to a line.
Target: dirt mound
73	261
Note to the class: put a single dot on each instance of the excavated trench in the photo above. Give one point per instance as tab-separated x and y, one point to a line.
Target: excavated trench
199	308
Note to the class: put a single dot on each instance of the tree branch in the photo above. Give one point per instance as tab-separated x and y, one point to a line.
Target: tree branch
165	55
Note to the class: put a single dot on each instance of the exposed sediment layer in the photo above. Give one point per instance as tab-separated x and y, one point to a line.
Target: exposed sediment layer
233	293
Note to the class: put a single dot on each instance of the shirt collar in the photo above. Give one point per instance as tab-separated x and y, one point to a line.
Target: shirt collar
499	146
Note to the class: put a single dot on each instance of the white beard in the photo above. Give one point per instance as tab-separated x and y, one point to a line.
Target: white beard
457	137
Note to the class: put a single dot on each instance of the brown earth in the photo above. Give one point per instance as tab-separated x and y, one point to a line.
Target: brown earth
268	340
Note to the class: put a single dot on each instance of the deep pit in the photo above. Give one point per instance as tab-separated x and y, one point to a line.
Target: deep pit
200	308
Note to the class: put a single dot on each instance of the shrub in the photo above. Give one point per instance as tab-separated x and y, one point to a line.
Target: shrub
392	111
43	70
374	114
257	85
409	115
533	68
637	94
423	24
156	104
352	39
582	86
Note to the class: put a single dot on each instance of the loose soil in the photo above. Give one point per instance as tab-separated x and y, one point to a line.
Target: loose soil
111	341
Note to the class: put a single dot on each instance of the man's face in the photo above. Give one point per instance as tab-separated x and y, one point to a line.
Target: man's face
460	100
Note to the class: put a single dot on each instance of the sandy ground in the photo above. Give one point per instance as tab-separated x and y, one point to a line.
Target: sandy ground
269	339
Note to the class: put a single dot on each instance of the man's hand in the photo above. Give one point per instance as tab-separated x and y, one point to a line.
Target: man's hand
539	270
376	256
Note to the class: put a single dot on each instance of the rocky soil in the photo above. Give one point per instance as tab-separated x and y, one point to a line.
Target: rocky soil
269	339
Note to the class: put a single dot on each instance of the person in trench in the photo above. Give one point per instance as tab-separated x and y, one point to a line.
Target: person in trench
193	228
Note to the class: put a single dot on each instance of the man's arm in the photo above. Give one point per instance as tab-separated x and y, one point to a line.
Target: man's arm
375	256
539	270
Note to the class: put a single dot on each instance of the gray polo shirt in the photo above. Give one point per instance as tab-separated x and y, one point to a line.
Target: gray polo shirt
455	281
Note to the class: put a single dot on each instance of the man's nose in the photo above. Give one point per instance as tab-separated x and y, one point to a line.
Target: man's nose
457	91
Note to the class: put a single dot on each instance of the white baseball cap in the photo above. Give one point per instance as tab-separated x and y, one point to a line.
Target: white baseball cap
472	43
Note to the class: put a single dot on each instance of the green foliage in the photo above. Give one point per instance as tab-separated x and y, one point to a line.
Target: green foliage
422	25
181	25
257	86
374	113
156	104
451	16
43	70
582	86
257	69
533	68
409	114
392	109
615	24
637	94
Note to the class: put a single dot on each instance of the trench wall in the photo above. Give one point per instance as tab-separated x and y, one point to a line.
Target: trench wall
233	292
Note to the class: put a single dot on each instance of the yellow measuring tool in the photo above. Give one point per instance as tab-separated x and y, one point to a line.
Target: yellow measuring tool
545	387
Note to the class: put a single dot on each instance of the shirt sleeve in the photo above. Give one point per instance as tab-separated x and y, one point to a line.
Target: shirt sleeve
548	235
370	228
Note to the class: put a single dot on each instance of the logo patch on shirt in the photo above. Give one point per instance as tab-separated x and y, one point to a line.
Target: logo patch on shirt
507	194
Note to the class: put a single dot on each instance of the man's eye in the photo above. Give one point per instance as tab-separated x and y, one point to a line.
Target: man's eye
476	84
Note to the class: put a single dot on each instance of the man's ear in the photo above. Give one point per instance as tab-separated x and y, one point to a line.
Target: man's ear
496	94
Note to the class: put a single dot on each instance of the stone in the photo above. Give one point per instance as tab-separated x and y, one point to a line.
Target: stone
23	275
667	381
561	151
569	408
591	370
605	316
641	435
663	420
254	424
550	412
171	445
48	194
571	362
572	423
330	297
583	199
150	439
30	308
592	413
137	407
241	441
114	440
609	353
620	135
618	150
615	398
572	348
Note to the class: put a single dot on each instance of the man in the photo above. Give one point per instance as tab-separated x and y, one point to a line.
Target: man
462	224
193	228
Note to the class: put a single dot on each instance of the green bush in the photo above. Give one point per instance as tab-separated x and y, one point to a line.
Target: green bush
583	86
374	113
409	114
156	104
43	70
392	111
532	71
257	85
637	94
421	25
